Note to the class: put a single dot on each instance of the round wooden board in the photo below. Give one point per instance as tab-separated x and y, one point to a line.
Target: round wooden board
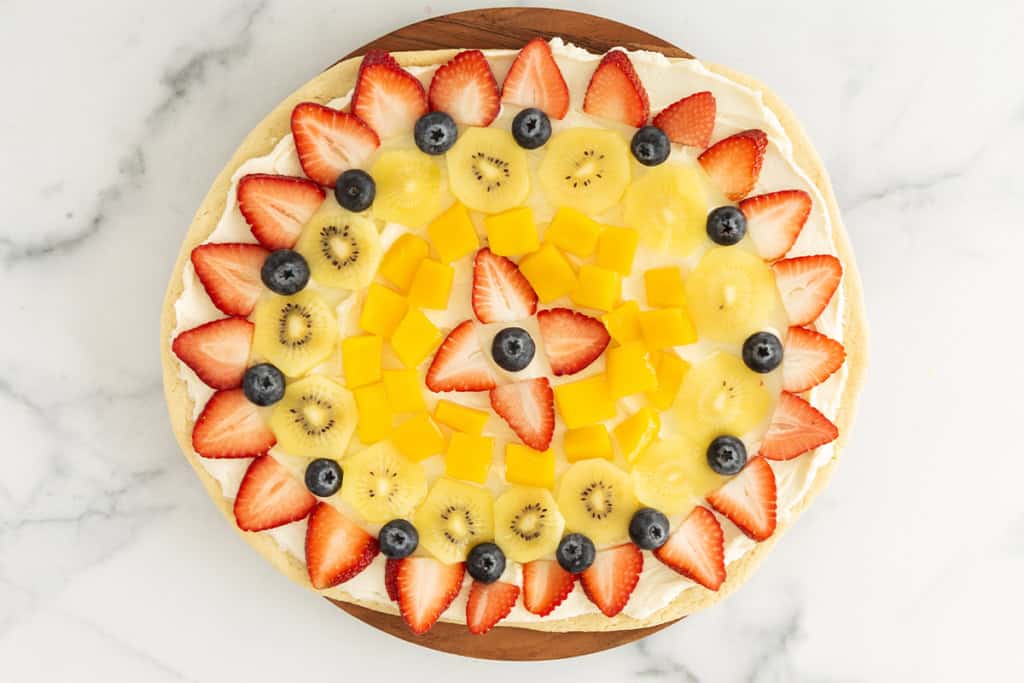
510	27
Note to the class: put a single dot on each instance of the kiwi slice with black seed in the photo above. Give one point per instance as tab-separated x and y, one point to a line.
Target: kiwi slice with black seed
342	248
296	332
487	170
597	500
454	517
527	523
315	418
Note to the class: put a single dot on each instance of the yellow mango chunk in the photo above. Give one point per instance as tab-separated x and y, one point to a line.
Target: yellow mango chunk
375	415
664	287
597	287
402	259
461	418
623	323
587	442
636	432
512	233
528	467
573	231
616	248
405	393
585	402
453	234
418	438
431	285
629	370
549	273
415	338
469	457
382	310
360	359
670	369
666	327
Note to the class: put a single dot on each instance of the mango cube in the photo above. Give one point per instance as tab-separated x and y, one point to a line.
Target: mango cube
616	248
418	438
528	467
670	369
664	287
629	370
382	310
597	287
585	402
405	393
623	323
666	327
587	442
415	338
636	432
549	273
360	359
431	285
469	457
512	233
453	234
461	418
374	413
402	259
573	232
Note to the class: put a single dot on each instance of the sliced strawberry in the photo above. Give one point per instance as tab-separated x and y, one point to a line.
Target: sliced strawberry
809	358
616	93
388	99
329	141
277	206
572	340
230	274
488	604
545	586
270	496
425	589
775	220
460	364
807	284
689	121
336	547
529	409
217	351
734	163
465	89
501	294
749	499
697	549
230	426
796	428
611	579
391	578
534	80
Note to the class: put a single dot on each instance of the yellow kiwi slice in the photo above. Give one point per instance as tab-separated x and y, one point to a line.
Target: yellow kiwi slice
315	418
408	188
669	208
341	248
731	294
487	170
294	332
586	169
454	517
597	500
672	475
382	484
527	523
720	395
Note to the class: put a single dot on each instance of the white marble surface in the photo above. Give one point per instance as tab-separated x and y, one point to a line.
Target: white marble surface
115	567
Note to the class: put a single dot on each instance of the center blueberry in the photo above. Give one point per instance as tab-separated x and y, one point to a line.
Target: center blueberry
513	349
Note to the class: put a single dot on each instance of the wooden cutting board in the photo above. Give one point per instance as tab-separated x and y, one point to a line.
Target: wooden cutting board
510	27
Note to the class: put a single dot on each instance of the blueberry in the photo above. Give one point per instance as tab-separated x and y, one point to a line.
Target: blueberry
575	553
513	348
263	384
398	538
355	190
323	477
650	146
285	272
726	225
727	455
485	563
648	528
435	132
531	128
762	352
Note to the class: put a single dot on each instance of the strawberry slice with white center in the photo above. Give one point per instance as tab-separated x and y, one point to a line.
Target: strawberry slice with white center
230	274
336	547
749	499
460	364
809	358
775	220
217	351
689	121
807	284
425	589
529	409
270	496
534	80
545	586
611	579
465	89
388	99
616	93
796	428
276	207
488	604
734	163
501	294
572	340
697	549
230	426
330	142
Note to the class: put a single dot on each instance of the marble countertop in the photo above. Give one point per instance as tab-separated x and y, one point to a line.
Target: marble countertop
115	567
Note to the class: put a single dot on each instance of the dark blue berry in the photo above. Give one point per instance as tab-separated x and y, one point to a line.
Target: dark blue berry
762	352
650	146
323	477
285	272
531	128
513	348
726	225
648	528
263	384
575	553
727	455
485	563
398	538
435	132
355	190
